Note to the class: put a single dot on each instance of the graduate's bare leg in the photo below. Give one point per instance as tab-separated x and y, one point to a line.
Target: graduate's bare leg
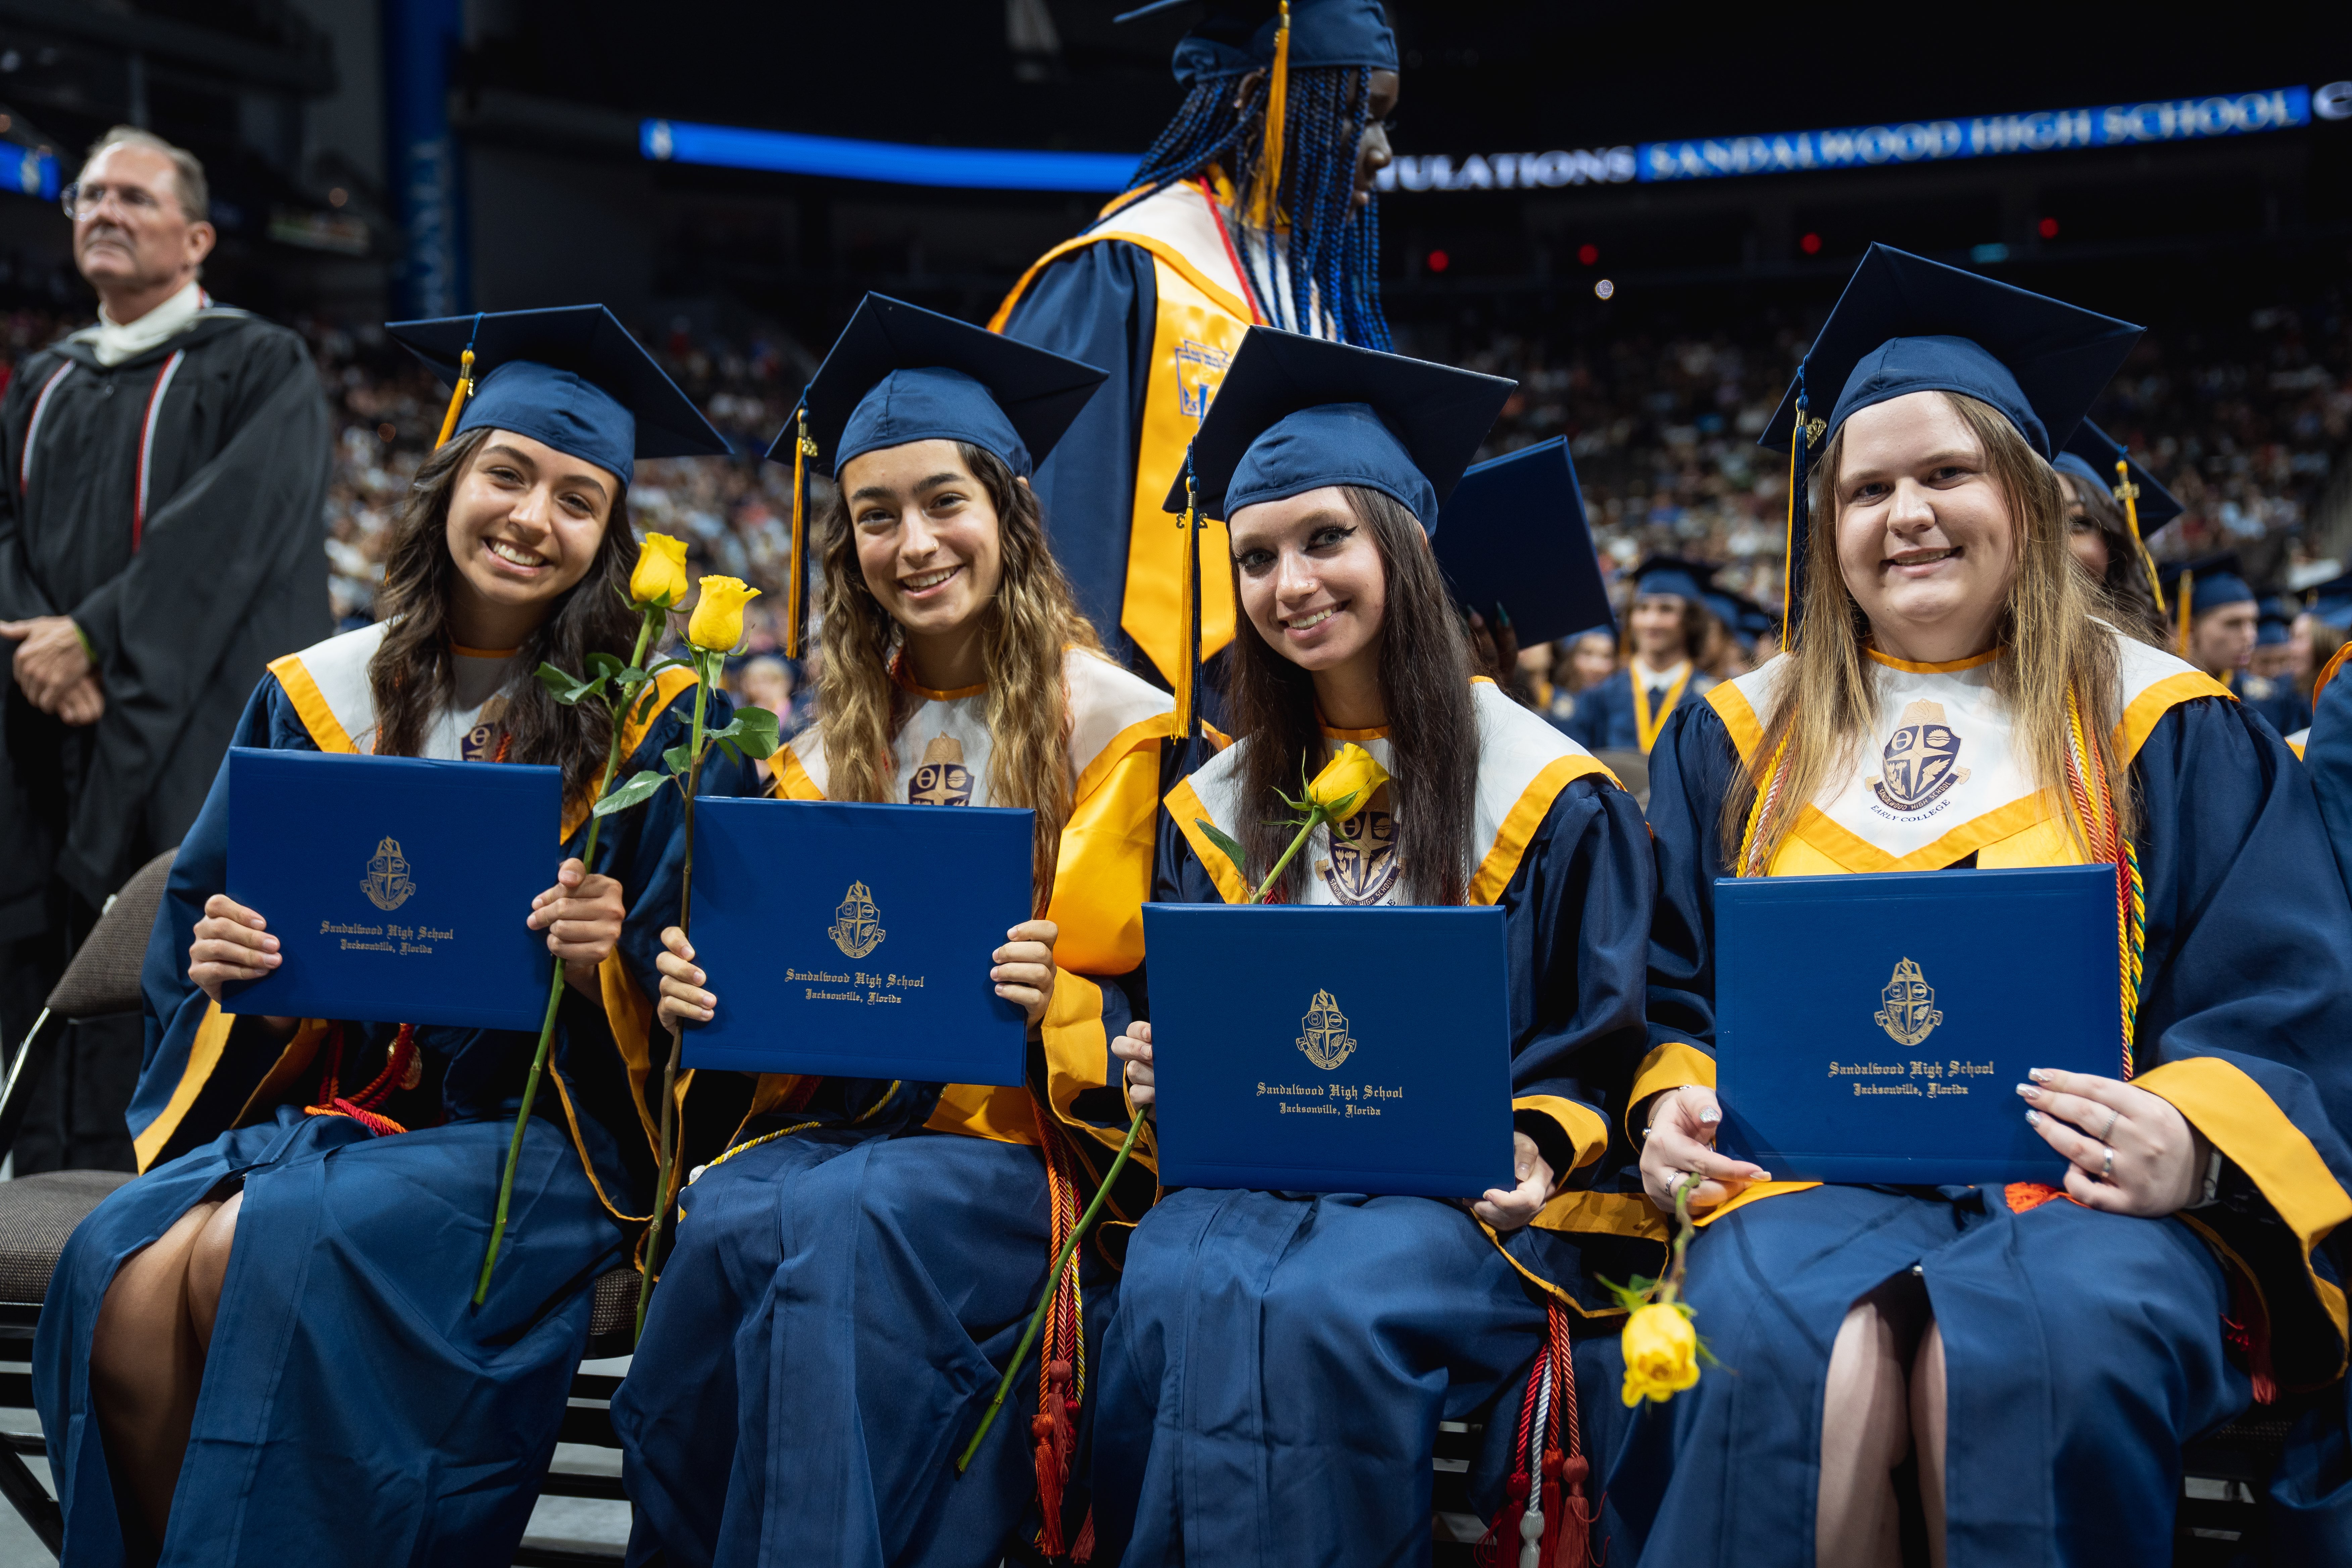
1928	1430
146	1361
208	1268
1866	1430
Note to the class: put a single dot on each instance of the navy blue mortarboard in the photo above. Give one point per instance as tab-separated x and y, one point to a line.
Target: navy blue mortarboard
1322	33
2332	602
571	377
2272	631
2200	586
1517	541
2090	453
1296	413
899	374
1906	325
1673	574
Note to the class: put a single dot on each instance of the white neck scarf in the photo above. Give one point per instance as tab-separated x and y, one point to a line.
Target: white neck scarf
115	342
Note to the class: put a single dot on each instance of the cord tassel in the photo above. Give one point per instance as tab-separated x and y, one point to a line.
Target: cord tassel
1189	610
795	611
2129	493
1265	201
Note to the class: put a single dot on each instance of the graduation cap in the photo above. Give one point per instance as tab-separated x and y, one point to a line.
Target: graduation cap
1295	413
901	373
1906	325
1673	575
1216	48
1321	33
571	377
1515	539
2201	586
2092	454
2273	631
2332	602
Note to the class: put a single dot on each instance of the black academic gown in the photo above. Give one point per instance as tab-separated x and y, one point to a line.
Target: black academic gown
185	592
171	505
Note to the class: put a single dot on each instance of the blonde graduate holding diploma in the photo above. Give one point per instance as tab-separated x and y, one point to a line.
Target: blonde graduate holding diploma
1272	1382
265	1349
1960	695
862	1256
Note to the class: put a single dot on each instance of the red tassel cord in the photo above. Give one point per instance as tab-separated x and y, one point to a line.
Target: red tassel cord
401	1069
1547	1509
1061	1358
2248	1328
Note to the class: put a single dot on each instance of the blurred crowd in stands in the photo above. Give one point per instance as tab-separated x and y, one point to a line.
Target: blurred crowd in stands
2246	422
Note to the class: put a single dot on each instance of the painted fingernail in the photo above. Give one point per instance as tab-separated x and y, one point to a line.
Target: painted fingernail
2038	1074
2034	1119
1710	1116
2028	1090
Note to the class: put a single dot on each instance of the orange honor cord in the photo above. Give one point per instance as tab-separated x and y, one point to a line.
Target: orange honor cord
2129	493
795	610
1264	200
457	396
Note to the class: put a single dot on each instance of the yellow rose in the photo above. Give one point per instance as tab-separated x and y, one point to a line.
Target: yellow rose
717	625
660	574
1344	786
1661	1353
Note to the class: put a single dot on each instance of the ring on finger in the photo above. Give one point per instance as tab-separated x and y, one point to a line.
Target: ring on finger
2113	1113
2107	1169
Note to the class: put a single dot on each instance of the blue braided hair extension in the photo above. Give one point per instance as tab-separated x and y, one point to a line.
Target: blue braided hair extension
1334	247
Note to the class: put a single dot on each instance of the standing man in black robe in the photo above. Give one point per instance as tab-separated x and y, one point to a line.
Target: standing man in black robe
160	542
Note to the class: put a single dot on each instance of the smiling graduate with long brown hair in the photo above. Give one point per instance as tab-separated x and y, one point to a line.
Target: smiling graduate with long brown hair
266	1347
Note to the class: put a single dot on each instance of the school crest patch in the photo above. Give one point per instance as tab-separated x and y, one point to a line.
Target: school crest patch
1363	866
941	778
1920	761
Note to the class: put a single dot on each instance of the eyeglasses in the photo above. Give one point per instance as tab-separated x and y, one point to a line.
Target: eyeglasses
82	201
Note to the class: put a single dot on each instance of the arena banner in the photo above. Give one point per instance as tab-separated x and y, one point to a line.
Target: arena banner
1980	136
28	172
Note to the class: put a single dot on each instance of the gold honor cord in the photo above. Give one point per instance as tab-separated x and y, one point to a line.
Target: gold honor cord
795	610
1264	207
457	396
2129	493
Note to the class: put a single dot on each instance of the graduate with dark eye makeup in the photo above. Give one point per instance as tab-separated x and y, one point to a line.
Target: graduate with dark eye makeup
1273	1379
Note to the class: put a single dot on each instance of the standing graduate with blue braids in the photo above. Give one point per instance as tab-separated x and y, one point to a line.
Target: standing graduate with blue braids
1253	206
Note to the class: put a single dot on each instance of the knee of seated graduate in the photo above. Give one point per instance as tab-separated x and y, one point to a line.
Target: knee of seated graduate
209	1264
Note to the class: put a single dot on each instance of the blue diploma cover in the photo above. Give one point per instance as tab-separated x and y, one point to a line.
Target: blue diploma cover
397	888
1875	1028
854	940
1331	1051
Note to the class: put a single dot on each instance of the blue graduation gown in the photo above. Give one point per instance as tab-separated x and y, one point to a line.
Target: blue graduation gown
2082	1348
1605	719
1098	305
2286	708
1273	1379
354	1402
845	1277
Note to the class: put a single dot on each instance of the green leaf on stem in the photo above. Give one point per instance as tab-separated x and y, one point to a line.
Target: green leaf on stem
606	666
569	689
637	789
757	730
1636	1292
1223	841
679	758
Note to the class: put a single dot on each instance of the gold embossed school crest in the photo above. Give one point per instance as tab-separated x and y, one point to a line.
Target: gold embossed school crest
388	885
856	926
1908	1010
1326	1039
1920	761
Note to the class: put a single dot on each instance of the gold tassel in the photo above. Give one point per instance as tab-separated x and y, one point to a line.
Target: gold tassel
796	613
2188	583
1188	612
1264	210
2129	493
463	389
